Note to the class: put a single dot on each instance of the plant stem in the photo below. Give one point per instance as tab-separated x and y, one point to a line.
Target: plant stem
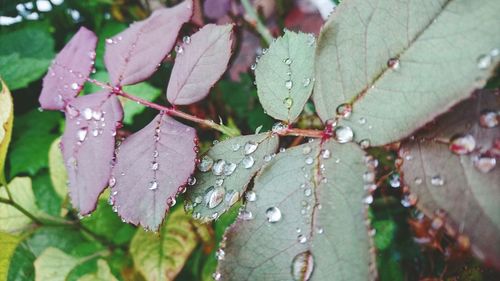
255	20
21	209
172	111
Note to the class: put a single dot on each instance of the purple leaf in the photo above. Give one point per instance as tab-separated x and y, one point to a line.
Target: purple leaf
215	9
69	71
201	63
88	146
151	168
134	54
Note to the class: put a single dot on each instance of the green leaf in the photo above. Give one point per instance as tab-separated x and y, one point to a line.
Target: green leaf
46	198
218	188
21	267
57	170
161	256
8	244
132	108
307	222
11	219
53	264
436	46
32	136
106	223
25	55
6	120
284	75
103	273
455	185
384	233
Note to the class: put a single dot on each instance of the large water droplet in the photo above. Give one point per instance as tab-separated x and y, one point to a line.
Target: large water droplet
489	119
248	162
191	181
273	214
231	197
205	164
437	180
97	115
289	84
484	61
214	196
484	164
462	144
343	134
394	181
288	102
250	147
87	113
218	167
74	86
344	110
82	133
229	168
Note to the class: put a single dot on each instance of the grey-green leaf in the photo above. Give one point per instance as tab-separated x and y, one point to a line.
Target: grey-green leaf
229	166
401	63
307	222
284	75
456	179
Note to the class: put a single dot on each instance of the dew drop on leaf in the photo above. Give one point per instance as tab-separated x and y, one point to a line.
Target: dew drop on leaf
250	147
74	86
191	181
82	133
246	215
302	239
364	143
418	181
155	165
288	61
229	168
216	276
306	149
251	196
248	162
437	180
484	164
289	84
484	61
307	192
112	181
288	102
220	254
362	120
394	181
87	113
205	164
231	197
219	182
72	111
309	160
369	177
273	214
186	39
235	146
343	134
488	119
344	110
393	63
325	153
153	185
462	144
214	196
278	127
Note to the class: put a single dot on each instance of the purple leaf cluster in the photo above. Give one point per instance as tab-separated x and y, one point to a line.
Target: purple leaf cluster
151	167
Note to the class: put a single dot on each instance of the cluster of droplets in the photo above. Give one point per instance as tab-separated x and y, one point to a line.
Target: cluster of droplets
92	119
484	62
369	178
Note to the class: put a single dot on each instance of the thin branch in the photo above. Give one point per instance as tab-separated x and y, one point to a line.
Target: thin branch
255	20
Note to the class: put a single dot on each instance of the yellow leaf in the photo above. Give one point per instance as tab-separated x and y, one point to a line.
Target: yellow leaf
8	244
11	219
6	120
57	170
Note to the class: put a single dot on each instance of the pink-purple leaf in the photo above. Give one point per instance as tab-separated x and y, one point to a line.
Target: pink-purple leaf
88	146
215	9
69	71
201	63
134	54
152	166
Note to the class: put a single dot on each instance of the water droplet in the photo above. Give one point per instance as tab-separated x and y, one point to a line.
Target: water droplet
214	196
287	61
484	61
191	181
437	180
369	177
198	199
186	39
229	168
393	63
278	127
179	50
273	214
253	66
248	162
494	52
82	133
219	182
216	276
231	197
87	113
289	84
250	147
319	230
246	215
74	86
250	196
309	160
236	146
171	202
112	181
307	192
220	254
288	102
109	41
488	119
218	167
325	153
484	164
72	111
153	185
462	144
302	239
155	165
95	132
343	134
155	153
344	110
394	180
418	181
205	164
267	158
97	115
362	120
368	199
92	55
364	143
